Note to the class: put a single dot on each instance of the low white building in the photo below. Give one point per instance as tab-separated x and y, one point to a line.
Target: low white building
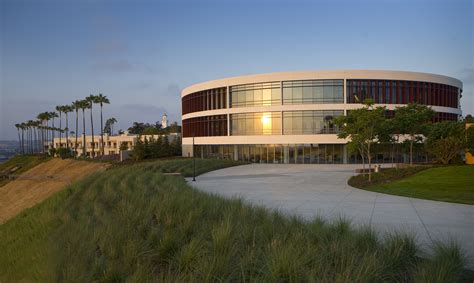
112	144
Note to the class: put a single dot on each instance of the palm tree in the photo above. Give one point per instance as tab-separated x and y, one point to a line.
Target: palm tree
59	108
18	126
101	100
67	109
23	128
43	117
91	99
111	122
84	104
76	105
53	115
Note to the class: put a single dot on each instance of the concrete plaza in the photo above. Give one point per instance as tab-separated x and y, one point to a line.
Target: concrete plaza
310	190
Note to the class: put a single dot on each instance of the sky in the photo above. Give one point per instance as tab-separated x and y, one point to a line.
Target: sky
141	54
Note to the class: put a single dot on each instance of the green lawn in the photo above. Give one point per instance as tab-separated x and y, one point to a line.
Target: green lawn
26	162
451	184
132	223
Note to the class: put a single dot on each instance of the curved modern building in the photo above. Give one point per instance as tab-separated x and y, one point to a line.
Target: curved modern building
287	117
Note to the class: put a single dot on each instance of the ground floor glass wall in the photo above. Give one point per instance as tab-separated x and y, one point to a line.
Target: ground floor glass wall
308	153
275	153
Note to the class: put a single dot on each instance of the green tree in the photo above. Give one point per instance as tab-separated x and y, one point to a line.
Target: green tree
446	140
101	100
139	150
66	110
109	126
470	140
59	108
91	99
53	116
412	121
469	119
123	146
18	127
362	127
176	146
43	117
76	105
84	104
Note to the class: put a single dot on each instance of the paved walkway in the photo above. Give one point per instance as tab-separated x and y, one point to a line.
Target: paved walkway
310	190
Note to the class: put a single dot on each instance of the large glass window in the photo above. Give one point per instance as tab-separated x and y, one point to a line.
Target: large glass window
310	122
402	92
313	91
261	94
206	126
261	123
204	100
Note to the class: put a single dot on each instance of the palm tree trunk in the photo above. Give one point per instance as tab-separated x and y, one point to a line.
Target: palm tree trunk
101	132
67	130
23	140
60	132
52	132
92	131
19	139
84	152
35	140
77	117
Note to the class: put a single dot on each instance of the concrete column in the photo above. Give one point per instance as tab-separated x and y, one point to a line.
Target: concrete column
345	96
345	155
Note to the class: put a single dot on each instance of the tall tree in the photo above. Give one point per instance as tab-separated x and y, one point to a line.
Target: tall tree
363	127
76	105
84	104
18	127
66	110
92	99
23	128
53	115
412	121
446	140
59	108
109	126
43	117
101	100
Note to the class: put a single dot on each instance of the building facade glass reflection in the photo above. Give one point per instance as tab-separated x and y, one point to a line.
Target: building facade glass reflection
288	117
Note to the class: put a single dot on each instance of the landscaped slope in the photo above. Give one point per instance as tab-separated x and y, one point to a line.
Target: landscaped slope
20	164
133	223
40	182
450	183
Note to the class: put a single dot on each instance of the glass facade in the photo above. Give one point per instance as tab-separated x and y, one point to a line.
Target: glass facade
313	91
308	153
275	153
209	99
262	94
260	123
207	126
402	92
310	122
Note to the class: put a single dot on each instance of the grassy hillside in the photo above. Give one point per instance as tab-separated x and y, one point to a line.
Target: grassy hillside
41	182
451	183
25	162
135	224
